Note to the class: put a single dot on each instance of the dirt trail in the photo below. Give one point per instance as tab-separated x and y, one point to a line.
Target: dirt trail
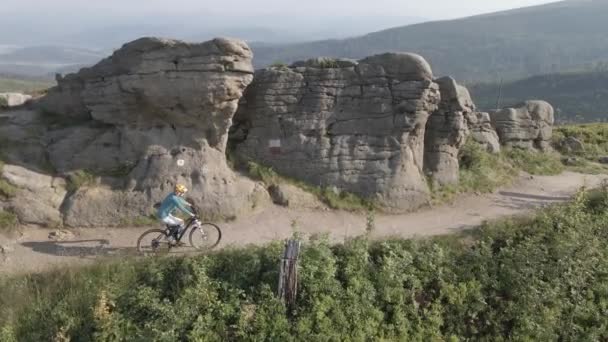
32	251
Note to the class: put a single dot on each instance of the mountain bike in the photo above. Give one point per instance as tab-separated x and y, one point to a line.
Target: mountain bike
202	236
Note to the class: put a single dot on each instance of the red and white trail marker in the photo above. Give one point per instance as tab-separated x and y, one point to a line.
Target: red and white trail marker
275	146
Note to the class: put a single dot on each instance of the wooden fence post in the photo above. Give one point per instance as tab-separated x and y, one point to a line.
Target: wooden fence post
288	277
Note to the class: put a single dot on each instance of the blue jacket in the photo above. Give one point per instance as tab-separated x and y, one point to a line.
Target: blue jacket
170	203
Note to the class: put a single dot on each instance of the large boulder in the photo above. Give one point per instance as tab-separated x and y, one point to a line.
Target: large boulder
528	125
447	131
356	126
38	198
155	113
13	99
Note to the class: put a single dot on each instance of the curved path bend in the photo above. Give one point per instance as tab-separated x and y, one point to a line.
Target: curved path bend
32	250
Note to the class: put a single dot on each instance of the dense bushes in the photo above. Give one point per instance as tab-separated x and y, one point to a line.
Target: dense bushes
538	279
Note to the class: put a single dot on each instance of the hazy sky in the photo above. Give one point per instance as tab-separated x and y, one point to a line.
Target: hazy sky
431	9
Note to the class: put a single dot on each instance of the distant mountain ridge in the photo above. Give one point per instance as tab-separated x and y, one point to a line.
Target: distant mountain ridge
511	44
576	96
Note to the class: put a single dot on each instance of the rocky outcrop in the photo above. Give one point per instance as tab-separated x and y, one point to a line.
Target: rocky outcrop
447	131
114	138
357	126
13	99
155	113
571	145
482	132
529	125
38	197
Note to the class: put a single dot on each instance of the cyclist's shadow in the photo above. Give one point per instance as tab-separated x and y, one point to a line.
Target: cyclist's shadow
78	248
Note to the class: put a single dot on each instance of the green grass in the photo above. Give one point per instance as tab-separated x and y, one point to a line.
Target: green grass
483	172
534	162
8	221
79	179
480	172
543	278
595	140
340	201
593	136
23	86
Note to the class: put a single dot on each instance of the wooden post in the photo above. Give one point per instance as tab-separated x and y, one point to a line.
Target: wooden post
288	277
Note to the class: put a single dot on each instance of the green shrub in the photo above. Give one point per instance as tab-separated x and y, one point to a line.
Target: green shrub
328	63
3	102
7	190
8	221
263	173
79	179
543	278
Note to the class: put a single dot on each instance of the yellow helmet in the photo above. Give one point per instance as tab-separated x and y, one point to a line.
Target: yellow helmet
180	189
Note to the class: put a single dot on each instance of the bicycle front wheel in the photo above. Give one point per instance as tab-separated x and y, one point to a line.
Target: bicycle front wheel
205	237
153	241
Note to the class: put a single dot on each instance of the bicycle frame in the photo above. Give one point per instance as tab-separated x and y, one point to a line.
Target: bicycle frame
189	223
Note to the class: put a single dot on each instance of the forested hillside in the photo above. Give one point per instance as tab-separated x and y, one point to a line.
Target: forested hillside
576	96
515	44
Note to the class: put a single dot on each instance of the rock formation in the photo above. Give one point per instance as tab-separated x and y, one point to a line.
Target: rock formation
13	99
446	132
155	113
357	126
108	142
529	125
482	132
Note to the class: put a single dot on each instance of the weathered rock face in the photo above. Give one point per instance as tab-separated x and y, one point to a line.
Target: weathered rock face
483	133
39	197
20	139
155	113
152	82
446	132
359	127
529	125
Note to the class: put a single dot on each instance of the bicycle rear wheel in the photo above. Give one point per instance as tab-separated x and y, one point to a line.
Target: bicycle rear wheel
205	237
153	241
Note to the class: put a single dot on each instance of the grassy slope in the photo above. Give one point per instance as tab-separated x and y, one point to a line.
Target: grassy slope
23	86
